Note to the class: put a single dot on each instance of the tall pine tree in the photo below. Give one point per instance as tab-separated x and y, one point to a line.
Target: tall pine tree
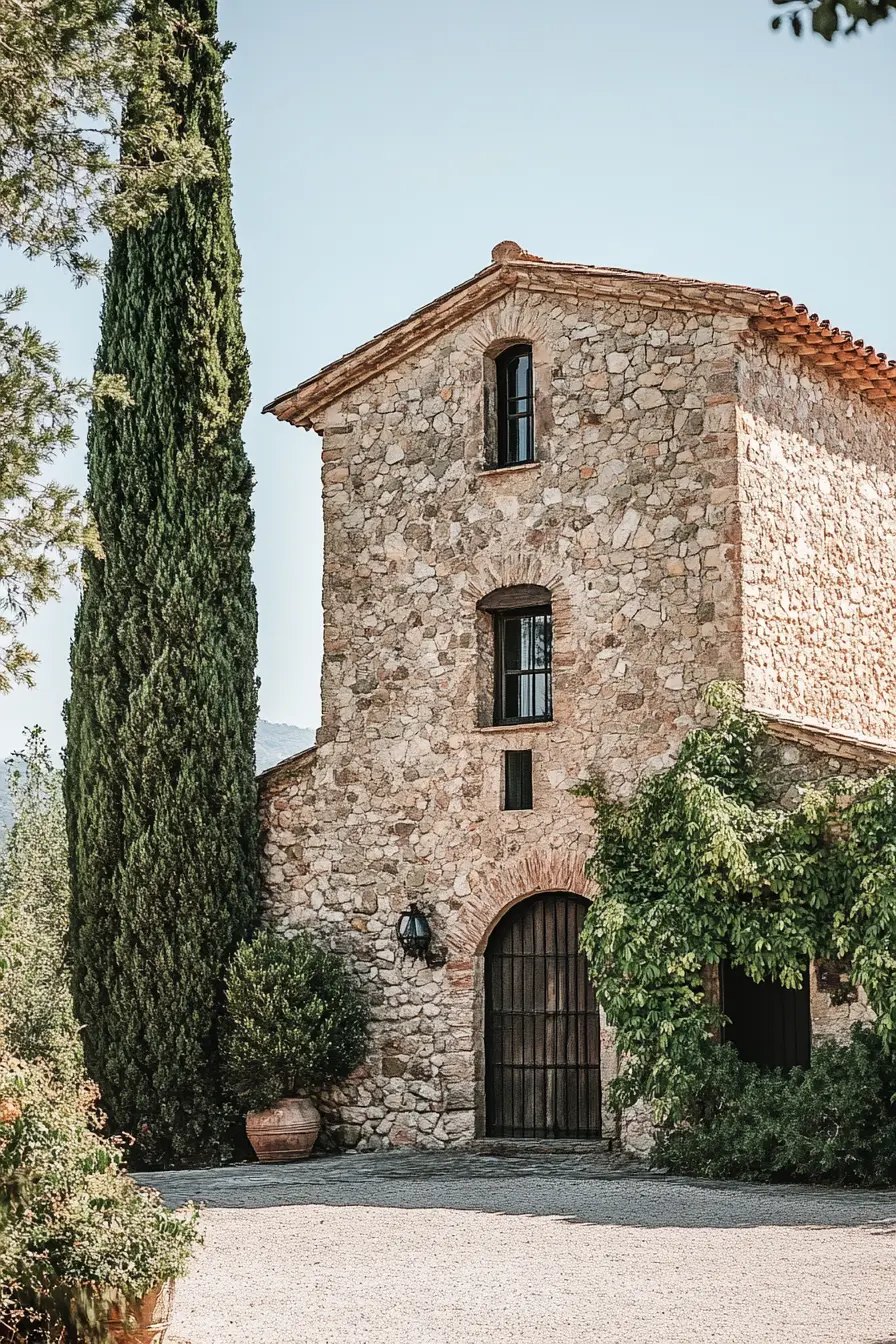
159	772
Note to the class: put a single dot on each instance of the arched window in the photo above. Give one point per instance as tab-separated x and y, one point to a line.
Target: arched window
523	691
516	436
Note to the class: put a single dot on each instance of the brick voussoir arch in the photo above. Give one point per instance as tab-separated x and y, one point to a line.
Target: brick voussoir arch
506	323
517	571
537	871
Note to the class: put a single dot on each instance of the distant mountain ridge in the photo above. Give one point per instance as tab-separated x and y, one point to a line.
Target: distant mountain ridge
274	742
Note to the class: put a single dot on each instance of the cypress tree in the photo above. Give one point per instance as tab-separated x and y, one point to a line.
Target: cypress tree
159	772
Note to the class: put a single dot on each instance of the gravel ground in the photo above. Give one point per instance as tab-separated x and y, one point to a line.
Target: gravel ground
431	1248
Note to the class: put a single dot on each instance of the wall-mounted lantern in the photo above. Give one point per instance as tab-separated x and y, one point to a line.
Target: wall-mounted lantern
415	936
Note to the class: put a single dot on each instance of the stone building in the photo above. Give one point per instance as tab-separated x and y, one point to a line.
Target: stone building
558	501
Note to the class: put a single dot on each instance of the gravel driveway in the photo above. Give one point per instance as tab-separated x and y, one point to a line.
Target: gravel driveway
451	1249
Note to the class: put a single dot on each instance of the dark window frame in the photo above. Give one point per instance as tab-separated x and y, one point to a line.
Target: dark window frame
530	673
517	781
514	411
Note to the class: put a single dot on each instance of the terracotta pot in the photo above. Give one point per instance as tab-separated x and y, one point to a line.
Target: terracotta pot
284	1132
146	1323
148	1320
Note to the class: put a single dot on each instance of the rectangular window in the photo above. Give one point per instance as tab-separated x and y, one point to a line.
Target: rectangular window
523	666
517	781
768	1025
516	437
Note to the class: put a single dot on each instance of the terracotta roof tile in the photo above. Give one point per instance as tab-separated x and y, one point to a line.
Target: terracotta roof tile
845	355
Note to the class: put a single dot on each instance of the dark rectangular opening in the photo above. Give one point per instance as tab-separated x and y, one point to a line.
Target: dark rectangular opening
769	1025
517	781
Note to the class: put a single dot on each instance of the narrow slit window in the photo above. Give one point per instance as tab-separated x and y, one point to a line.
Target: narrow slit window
523	666
517	781
516	438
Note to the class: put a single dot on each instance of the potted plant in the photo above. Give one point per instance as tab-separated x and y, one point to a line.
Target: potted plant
126	1248
85	1253
296	1023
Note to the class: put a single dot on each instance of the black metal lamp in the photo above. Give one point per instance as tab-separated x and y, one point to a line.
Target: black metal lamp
414	932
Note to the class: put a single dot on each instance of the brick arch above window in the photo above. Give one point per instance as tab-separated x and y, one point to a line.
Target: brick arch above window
491	578
508	323
518	582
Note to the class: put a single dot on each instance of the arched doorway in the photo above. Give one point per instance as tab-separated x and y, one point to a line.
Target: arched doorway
542	1029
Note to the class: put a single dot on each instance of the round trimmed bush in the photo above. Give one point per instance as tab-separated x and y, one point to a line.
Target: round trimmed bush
296	1020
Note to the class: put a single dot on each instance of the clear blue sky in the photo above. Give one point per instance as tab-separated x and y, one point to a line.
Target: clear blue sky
381	149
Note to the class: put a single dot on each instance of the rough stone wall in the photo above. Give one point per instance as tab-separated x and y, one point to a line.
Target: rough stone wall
818	485
630	517
791	757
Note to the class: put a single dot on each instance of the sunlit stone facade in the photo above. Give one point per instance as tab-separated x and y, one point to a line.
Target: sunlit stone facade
704	503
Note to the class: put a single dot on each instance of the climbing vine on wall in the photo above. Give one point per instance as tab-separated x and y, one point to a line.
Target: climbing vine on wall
701	866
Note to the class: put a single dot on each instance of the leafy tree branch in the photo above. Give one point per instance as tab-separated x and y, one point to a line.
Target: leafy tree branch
42	524
71	161
91	137
830	18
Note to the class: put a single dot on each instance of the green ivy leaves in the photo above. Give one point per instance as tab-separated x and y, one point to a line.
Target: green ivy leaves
698	867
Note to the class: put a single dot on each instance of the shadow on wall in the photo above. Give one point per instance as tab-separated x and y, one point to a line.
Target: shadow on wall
580	1190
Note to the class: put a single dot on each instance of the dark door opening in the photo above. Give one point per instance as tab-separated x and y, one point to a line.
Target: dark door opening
542	1028
770	1025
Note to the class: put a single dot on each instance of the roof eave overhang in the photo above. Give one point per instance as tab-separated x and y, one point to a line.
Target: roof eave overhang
304	403
767	311
286	768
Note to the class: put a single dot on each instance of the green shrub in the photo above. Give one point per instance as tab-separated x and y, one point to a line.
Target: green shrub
38	1017
833	1122
295	1020
699	866
77	1235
